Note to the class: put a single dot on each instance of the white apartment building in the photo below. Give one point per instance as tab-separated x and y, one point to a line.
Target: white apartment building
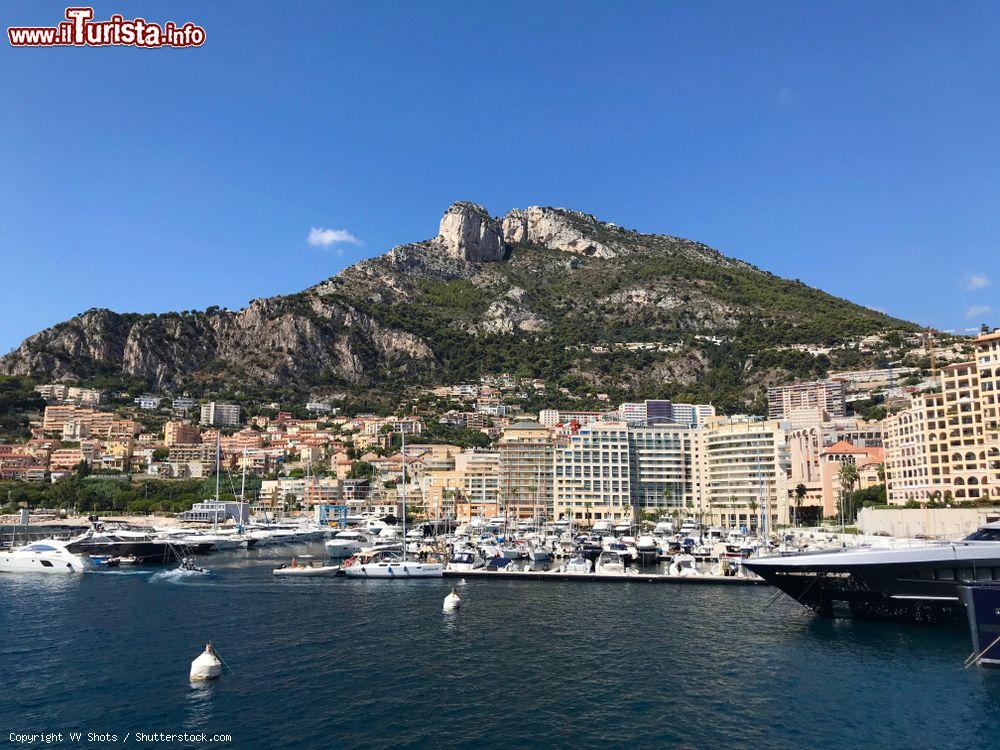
744	465
591	474
611	470
825	395
220	415
692	414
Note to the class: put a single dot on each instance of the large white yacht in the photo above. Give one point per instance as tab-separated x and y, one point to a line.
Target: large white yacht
44	556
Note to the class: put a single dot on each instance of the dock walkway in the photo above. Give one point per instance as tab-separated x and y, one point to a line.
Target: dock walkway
555	575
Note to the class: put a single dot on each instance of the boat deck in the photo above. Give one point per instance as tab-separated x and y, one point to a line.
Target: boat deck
555	575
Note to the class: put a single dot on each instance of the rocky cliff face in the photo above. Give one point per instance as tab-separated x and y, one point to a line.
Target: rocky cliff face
543	290
468	232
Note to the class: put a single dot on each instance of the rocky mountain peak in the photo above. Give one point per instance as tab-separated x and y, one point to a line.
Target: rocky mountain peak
557	229
468	232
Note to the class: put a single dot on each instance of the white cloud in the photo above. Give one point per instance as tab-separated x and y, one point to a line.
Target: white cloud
974	281
323	237
975	311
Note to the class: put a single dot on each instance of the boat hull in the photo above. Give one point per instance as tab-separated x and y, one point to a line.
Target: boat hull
915	590
395	571
982	606
327	571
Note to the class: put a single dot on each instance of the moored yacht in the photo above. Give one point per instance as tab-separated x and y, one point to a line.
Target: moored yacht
390	564
347	543
44	556
466	559
914	583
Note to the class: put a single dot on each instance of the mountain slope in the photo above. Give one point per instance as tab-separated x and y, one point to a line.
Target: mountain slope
541	291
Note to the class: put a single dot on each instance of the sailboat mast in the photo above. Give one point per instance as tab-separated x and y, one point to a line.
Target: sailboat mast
243	481
218	471
402	449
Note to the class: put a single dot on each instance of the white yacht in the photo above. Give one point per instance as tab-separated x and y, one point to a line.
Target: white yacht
647	548
44	556
601	528
391	564
683	566
347	543
612	561
578	564
466	559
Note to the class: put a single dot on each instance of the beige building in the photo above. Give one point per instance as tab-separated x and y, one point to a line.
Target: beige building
944	446
806	446
525	481
180	433
744	466
469	487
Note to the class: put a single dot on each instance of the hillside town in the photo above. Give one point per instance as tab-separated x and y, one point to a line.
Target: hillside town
809	458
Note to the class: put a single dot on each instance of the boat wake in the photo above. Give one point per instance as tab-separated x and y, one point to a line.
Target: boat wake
177	575
121	572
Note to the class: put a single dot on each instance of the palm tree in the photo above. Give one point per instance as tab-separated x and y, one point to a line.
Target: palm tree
848	476
800	493
752	507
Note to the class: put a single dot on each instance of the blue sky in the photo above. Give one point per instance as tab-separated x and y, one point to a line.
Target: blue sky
850	145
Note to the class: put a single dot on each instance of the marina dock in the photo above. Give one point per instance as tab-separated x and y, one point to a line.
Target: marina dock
555	575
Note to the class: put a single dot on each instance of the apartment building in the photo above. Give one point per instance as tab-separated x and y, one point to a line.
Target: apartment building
612	471
180	433
907	452
692	415
945	445
192	460
988	364
807	444
468	487
68	394
591	474
553	417
744	465
827	396
525	481
220	415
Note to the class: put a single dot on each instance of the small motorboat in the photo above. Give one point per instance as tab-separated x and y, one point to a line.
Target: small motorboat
647	548
105	561
683	566
187	564
306	570
578	564
465	559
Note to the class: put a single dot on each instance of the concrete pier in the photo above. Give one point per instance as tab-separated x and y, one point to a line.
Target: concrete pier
555	575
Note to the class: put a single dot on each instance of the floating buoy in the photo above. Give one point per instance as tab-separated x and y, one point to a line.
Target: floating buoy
207	666
452	602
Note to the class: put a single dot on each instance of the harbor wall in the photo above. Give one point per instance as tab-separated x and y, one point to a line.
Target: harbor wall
946	523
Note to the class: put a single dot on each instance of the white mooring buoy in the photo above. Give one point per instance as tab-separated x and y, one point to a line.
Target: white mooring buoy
207	666
452	602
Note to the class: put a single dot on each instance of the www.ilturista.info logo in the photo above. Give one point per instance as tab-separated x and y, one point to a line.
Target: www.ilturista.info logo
80	30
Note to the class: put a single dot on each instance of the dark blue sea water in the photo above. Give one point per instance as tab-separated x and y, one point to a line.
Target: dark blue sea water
337	663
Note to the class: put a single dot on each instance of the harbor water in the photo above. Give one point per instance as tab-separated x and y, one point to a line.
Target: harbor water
344	663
